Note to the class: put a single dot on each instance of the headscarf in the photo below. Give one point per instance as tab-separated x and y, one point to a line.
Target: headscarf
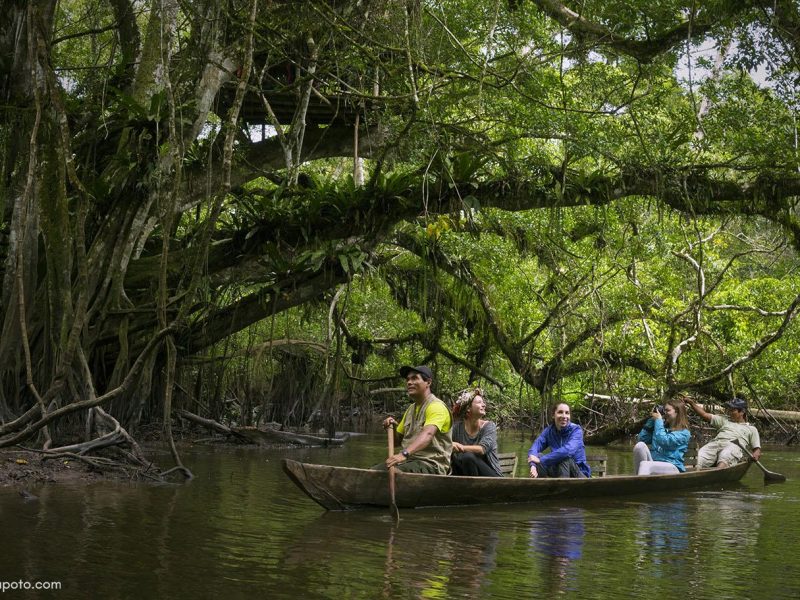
464	400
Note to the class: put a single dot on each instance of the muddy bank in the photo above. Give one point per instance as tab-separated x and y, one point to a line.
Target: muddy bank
23	468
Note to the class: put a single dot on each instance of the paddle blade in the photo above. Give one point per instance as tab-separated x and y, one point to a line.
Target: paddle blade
771	477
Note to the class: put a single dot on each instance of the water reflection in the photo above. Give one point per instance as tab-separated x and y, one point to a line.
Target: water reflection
425	556
241	529
464	562
557	537
662	536
732	523
71	530
454	563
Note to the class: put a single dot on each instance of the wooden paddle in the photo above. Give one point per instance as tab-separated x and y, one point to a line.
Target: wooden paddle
392	504
769	476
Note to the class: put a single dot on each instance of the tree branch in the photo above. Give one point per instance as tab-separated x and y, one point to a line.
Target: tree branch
593	33
755	350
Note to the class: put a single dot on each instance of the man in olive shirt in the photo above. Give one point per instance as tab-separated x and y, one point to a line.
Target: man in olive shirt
722	451
424	431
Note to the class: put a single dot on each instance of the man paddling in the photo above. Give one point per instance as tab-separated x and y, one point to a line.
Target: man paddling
723	451
424	431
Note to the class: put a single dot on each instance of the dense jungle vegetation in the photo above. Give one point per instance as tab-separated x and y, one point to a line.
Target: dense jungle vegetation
256	210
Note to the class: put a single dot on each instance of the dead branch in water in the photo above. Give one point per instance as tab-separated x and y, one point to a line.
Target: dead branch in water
212	425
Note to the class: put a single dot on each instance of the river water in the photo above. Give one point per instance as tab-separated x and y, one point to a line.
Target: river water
241	529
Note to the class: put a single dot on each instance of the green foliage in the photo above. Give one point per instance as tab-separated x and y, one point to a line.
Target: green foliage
539	200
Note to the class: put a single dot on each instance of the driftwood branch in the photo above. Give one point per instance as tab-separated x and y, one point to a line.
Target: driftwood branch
258	436
211	424
96	462
387	390
112	438
267	435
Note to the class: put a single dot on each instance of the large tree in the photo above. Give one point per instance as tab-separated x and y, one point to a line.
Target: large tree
173	172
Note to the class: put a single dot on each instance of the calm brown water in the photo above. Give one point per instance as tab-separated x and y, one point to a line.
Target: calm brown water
242	530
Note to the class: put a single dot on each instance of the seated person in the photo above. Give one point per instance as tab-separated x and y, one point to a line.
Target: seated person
567	457
663	441
424	431
474	438
722	451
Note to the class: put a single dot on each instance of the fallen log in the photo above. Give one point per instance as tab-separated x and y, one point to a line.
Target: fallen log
781	415
268	435
211	424
264	435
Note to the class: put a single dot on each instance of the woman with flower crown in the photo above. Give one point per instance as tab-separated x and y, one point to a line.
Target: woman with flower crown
474	438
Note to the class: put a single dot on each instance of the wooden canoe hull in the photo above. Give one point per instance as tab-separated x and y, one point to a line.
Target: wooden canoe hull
345	488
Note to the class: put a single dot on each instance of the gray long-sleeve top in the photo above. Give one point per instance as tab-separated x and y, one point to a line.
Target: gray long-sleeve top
486	439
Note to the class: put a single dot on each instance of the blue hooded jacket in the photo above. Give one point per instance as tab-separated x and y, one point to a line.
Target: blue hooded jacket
564	444
665	445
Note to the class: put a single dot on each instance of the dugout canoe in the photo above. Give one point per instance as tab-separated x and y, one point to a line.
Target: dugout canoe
346	488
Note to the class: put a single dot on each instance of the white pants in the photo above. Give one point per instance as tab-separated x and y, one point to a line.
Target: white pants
643	463
715	452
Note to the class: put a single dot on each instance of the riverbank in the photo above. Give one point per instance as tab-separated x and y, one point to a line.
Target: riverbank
23	468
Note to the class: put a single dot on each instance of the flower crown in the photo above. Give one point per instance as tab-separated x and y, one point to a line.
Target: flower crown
464	399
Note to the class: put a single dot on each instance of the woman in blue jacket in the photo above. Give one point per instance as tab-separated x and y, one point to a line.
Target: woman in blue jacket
663	441
567	456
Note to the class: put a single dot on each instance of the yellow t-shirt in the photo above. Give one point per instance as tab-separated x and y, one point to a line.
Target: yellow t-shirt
437	414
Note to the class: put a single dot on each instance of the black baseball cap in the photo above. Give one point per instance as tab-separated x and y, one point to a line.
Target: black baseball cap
737	403
422	370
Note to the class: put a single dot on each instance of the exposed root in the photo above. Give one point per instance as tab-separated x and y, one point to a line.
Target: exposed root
187	474
110	435
97	463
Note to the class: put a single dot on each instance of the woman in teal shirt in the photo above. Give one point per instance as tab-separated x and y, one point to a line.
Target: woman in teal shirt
663	441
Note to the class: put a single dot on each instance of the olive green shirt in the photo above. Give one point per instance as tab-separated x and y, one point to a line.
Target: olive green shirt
432	412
